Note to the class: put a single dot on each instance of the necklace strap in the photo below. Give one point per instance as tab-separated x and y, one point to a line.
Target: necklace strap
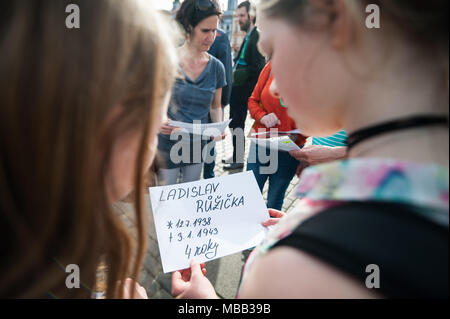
396	125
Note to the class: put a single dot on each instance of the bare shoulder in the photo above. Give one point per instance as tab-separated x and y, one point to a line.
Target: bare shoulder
289	273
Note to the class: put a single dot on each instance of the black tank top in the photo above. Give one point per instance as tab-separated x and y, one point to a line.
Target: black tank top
411	252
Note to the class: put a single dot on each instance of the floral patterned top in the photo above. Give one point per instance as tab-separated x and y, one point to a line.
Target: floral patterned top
324	186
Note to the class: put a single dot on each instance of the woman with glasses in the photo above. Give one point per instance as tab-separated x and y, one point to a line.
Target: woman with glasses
197	93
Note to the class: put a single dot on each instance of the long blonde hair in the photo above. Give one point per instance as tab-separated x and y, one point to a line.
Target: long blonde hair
57	86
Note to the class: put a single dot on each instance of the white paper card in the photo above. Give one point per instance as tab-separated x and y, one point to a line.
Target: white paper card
282	143
276	132
210	129
207	219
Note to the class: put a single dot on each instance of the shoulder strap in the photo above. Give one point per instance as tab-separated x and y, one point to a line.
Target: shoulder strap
410	251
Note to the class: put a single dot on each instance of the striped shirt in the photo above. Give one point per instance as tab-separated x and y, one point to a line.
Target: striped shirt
338	139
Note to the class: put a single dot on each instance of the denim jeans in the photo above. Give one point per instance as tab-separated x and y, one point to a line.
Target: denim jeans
208	168
278	181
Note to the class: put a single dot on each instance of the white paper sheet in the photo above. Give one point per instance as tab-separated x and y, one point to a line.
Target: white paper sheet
276	132
282	143
210	129
207	219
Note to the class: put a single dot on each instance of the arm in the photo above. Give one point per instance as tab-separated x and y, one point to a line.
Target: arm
166	129
283	272
216	113
139	291
216	107
298	275
318	154
254	107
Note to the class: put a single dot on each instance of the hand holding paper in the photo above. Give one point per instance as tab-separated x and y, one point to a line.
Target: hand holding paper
167	129
219	138
282	143
270	120
275	216
191	283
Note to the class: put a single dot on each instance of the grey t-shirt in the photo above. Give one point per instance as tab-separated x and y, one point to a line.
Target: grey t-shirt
191	100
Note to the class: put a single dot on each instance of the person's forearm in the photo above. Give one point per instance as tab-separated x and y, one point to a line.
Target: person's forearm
254	107
340	152
334	154
318	154
216	115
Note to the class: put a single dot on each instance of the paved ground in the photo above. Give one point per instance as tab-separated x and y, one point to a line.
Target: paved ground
225	273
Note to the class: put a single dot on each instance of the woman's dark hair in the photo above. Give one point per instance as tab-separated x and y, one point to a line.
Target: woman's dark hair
192	12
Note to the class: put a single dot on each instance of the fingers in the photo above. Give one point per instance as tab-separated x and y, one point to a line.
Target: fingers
186	274
202	266
176	275
270	120
142	293
264	121
218	138
274	121
182	280
166	129
139	291
298	155
276	213
126	289
270	222
178	284
196	269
